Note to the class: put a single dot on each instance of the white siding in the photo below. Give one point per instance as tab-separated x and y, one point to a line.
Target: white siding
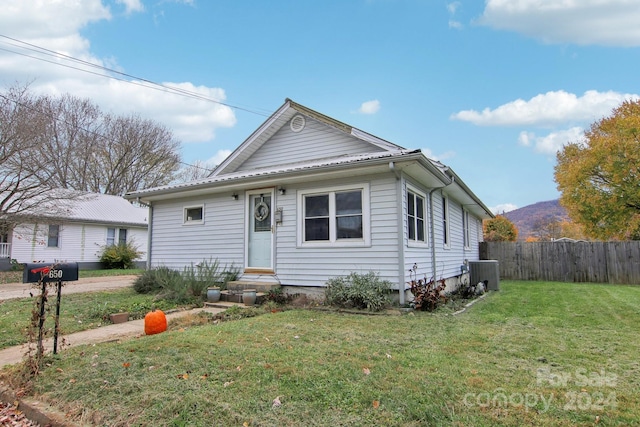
78	242
313	266
221	236
315	141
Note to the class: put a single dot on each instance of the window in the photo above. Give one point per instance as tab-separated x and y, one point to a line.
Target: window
53	238
416	231
336	216
194	215
111	236
465	229
445	221
122	236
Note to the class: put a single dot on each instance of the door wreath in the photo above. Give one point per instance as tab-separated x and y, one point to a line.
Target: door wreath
261	212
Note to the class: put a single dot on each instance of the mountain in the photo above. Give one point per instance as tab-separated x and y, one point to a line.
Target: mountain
528	217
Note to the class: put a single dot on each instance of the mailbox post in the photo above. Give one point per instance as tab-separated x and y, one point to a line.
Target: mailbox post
43	274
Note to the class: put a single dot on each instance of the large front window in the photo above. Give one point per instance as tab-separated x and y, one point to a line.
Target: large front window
336	216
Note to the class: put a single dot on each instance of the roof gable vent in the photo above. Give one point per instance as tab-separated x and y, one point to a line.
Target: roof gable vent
297	123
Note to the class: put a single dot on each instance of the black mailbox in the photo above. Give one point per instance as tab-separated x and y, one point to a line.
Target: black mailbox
50	272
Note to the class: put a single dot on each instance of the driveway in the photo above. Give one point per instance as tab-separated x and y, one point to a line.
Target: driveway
88	284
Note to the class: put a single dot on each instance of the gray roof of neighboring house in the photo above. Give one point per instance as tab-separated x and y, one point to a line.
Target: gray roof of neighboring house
92	208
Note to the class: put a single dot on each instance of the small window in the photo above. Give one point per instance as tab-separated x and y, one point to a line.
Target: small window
111	236
465	229
122	236
53	238
194	215
416	224
445	221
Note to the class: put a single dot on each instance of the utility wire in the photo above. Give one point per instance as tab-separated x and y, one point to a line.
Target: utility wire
147	83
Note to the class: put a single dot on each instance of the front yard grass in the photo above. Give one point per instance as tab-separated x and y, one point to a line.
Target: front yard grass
534	353
78	312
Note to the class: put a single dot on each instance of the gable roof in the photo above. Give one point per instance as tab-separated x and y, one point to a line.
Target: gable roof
384	156
278	119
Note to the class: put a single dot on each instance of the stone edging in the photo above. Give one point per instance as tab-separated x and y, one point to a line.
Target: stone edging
36	411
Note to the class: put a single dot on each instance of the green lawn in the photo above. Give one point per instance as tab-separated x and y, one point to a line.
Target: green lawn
531	354
78	312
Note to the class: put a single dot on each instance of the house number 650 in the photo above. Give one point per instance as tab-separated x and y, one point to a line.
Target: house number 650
55	274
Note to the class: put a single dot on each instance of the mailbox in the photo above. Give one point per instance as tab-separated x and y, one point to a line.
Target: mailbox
50	272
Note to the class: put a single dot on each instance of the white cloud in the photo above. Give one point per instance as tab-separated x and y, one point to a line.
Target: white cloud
132	5
455	24
503	208
584	22
548	109
369	107
552	142
438	157
56	25
220	156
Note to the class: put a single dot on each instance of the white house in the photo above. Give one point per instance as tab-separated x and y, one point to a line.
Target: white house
78	232
306	198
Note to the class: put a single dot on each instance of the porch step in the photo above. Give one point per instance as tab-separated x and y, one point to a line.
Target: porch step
235	297
222	304
241	285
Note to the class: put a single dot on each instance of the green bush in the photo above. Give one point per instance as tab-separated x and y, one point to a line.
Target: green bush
155	280
363	291
188	286
120	256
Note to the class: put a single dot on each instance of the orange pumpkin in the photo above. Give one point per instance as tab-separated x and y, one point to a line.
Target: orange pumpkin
155	322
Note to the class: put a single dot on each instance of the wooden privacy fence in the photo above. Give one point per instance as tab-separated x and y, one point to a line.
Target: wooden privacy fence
600	262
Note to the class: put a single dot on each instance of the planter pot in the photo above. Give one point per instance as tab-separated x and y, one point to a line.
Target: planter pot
213	294
119	317
249	296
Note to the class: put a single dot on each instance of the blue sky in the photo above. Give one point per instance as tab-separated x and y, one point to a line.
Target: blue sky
493	88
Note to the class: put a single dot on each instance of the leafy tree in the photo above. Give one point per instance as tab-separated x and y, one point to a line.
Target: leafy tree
600	179
499	229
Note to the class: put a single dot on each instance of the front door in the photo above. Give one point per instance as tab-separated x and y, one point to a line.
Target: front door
260	230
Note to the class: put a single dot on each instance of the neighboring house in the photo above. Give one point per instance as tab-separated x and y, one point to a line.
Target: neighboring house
78	232
306	198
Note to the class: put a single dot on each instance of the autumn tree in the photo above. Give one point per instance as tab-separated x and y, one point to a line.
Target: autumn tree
600	178
499	229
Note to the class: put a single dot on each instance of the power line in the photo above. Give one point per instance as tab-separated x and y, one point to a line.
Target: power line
147	83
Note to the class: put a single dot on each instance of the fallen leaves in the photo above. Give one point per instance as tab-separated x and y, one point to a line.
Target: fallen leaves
376	404
276	402
366	371
11	416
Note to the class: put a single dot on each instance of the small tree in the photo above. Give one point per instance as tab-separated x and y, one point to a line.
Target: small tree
499	229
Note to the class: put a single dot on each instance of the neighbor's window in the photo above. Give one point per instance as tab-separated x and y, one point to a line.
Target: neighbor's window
111	236
465	229
53	238
122	236
416	208
334	216
194	215
445	221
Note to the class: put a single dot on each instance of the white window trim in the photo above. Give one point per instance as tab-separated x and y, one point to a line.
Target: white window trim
366	218
58	241
186	221
446	215
115	236
466	229
417	243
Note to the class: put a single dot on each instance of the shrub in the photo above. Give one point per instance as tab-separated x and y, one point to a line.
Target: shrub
363	291
155	280
120	256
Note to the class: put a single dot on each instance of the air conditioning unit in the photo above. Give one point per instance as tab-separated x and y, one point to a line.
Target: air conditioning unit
485	270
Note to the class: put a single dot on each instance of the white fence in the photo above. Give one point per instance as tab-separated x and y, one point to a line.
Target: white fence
5	250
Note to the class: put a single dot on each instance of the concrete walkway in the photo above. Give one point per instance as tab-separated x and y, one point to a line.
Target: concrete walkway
12	355
133	328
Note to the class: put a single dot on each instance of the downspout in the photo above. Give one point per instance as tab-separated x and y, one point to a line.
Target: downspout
149	231
400	234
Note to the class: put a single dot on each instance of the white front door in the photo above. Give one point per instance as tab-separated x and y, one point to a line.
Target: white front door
260	230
